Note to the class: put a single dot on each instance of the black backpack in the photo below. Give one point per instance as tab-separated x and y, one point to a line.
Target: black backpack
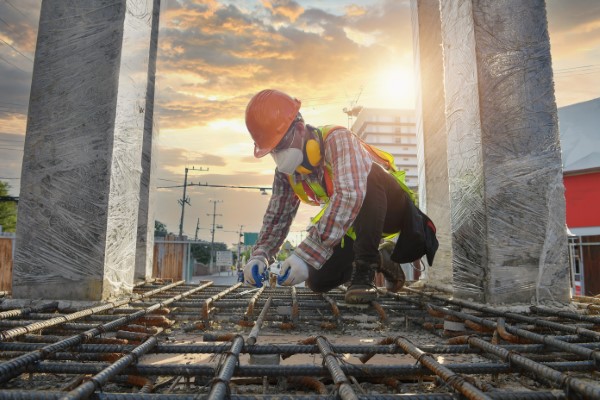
417	237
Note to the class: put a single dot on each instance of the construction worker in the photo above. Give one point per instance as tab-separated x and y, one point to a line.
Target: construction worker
363	199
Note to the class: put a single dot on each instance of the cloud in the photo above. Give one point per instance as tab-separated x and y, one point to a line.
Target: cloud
283	10
228	53
19	23
572	15
574	29
214	55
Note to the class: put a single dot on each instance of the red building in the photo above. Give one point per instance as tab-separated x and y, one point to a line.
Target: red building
580	142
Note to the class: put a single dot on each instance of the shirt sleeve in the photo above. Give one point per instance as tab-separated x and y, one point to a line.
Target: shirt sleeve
351	165
278	218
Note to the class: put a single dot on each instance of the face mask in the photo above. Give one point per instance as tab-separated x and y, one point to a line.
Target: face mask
288	160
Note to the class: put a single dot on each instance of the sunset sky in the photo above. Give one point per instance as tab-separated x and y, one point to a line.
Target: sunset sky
214	55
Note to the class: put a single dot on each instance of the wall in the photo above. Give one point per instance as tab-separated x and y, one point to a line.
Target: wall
168	259
583	198
6	261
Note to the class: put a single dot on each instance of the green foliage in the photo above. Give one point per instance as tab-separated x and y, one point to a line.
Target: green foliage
201	251
160	229
8	210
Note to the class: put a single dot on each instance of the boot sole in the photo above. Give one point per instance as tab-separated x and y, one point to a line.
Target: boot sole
360	298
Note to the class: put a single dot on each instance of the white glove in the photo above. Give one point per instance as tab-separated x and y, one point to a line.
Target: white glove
293	271
255	271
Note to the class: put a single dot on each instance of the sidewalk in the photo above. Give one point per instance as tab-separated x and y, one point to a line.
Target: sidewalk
221	278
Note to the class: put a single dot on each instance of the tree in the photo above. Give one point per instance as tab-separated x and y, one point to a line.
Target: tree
160	229
201	251
8	210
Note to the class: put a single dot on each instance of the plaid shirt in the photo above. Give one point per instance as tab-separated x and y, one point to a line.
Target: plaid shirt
351	165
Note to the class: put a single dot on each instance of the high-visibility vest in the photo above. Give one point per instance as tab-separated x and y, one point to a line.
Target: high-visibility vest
311	190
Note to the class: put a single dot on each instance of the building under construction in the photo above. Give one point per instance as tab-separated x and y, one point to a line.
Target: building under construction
493	318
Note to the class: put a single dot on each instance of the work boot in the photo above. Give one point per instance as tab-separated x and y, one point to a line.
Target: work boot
391	270
362	289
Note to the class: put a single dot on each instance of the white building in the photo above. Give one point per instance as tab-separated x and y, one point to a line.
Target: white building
394	131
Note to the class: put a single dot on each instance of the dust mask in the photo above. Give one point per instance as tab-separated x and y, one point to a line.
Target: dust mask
288	160
288	154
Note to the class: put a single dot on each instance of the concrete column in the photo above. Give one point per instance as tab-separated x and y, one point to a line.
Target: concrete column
146	214
434	197
506	193
82	167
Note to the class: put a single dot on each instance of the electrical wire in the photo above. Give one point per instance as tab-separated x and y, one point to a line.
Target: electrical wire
262	188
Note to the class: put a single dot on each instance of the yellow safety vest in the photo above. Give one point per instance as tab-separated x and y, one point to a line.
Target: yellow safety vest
311	190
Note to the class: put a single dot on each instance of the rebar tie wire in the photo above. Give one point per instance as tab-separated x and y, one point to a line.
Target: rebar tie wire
454	380
535	337
330	359
522	318
220	384
15	332
16	366
519	362
86	389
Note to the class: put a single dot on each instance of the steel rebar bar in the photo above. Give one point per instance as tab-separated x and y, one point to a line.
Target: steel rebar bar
456	381
14	367
337	374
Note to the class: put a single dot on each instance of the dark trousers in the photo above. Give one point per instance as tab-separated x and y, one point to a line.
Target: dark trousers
383	210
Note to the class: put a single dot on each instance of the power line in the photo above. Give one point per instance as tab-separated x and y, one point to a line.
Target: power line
261	188
13	134
559	70
13	104
12	140
13	6
11	111
8	62
7	24
15	49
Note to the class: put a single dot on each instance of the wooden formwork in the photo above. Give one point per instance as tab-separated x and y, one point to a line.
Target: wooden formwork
168	259
6	262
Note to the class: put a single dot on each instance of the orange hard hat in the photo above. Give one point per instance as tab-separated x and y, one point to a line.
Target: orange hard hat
269	115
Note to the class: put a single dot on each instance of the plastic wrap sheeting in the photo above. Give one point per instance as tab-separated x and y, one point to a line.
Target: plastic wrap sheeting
432	155
505	176
80	185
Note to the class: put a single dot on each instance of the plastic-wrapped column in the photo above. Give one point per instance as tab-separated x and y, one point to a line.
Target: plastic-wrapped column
80	186
506	192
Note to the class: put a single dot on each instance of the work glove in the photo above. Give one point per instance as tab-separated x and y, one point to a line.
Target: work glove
293	271
255	271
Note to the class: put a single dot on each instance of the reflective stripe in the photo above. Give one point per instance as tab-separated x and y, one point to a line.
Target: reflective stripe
313	193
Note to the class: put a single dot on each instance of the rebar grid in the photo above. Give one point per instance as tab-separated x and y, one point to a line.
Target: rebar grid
201	341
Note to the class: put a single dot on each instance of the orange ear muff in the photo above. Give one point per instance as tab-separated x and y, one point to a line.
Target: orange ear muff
313	152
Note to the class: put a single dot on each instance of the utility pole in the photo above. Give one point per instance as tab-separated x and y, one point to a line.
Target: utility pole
197	229
185	199
353	110
212	231
239	244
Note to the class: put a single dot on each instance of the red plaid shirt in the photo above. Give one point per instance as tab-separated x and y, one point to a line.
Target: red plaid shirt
351	165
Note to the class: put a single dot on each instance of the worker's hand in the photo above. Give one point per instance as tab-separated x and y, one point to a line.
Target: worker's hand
255	271
293	271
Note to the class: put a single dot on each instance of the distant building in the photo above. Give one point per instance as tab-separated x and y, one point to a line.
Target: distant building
394	131
580	144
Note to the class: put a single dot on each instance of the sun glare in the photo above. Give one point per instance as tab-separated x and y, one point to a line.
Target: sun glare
395	88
